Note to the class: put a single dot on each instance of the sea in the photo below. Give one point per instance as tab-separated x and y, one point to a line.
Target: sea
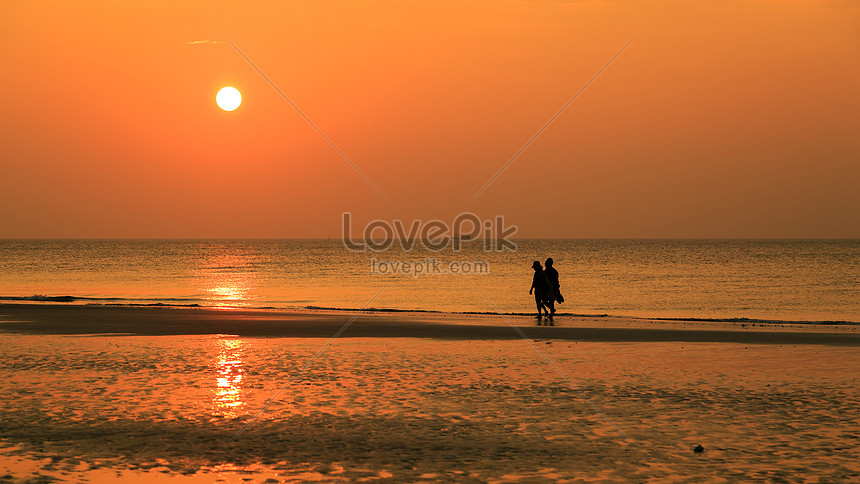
784	280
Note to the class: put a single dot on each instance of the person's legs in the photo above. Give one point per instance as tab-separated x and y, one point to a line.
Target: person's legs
551	304
539	304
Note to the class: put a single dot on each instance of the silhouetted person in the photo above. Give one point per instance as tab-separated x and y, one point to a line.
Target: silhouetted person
552	274
542	288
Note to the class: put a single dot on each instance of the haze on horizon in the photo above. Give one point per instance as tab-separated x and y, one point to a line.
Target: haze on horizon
722	119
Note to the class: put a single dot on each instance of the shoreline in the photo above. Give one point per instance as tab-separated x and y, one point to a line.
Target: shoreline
71	301
62	319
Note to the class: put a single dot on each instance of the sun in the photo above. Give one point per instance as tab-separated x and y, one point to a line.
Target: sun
228	98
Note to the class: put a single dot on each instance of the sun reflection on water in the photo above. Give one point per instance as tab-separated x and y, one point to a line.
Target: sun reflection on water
228	293
228	278
228	400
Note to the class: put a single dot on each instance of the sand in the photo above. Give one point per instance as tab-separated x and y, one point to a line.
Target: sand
95	393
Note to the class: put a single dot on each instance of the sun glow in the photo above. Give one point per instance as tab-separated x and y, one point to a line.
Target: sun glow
228	98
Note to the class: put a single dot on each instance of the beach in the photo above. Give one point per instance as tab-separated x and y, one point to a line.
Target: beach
98	392
268	242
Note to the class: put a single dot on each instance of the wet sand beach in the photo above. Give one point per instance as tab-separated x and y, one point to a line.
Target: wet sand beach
155	393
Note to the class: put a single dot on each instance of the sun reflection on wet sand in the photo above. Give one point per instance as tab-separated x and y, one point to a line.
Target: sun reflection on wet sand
228	400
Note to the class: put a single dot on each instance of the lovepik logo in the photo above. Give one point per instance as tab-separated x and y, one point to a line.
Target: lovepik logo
434	235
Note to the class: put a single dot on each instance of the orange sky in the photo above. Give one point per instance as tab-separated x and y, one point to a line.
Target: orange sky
722	119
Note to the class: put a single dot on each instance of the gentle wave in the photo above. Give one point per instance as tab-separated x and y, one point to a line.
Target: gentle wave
43	298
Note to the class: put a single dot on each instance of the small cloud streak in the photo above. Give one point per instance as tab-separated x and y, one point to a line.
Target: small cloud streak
197	42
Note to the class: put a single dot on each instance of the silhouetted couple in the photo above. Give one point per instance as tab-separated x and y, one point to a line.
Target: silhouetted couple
546	290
